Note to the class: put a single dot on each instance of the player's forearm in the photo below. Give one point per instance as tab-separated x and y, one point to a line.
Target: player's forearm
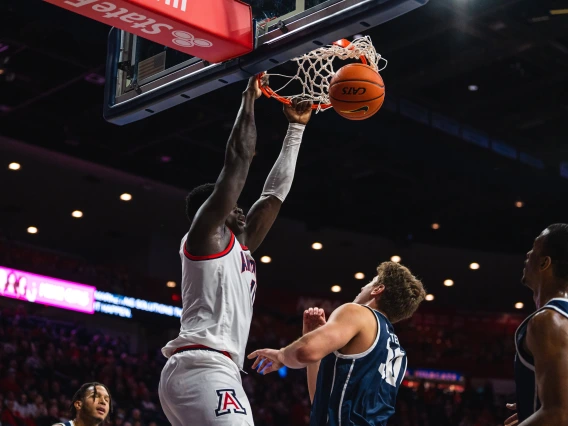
280	178
312	373
242	141
299	354
546	417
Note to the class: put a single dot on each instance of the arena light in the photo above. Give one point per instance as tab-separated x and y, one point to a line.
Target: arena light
519	305
77	214
317	246
474	266
32	230
126	197
429	297
359	276
336	288
14	166
266	259
519	204
435	226
396	259
171	284
448	283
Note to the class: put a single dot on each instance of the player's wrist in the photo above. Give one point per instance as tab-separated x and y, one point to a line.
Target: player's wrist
281	355
249	94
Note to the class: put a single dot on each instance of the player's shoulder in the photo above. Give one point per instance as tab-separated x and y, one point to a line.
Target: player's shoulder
350	307
352	311
548	323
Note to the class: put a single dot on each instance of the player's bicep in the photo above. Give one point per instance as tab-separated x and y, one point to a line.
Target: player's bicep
260	219
547	340
218	206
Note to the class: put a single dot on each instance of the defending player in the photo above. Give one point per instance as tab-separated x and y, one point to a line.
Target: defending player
356	356
201	384
541	361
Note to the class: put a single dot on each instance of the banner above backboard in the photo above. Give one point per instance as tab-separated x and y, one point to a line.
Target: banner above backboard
213	30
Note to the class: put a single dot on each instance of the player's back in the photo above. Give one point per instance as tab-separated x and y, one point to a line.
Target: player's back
360	389
217	294
527	397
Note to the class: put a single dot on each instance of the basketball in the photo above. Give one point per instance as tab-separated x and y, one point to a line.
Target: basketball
357	91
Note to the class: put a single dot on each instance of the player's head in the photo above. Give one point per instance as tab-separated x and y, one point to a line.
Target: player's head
195	199
92	403
547	261
394	291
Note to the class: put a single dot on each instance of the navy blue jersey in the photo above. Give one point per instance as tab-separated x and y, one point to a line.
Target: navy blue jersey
527	395
357	390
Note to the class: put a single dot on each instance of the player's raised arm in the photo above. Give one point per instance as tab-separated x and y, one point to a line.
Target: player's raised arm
547	340
230	183
314	318
344	324
263	213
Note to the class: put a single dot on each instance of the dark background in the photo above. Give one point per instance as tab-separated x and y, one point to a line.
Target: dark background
366	190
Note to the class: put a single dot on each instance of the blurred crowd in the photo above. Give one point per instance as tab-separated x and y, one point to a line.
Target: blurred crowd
43	362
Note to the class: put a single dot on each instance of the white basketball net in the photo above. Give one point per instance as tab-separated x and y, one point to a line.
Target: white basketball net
315	69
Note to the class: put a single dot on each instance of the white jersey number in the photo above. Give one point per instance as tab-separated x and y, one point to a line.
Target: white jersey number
391	370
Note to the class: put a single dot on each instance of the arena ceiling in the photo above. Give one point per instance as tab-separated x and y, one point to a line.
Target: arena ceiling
504	140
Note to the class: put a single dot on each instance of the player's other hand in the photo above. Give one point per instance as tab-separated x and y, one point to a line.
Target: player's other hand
299	112
513	420
266	360
254	88
313	318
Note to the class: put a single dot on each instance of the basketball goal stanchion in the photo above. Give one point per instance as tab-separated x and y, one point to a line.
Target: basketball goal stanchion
316	71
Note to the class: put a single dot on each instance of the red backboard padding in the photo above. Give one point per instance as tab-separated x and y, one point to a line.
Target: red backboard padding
213	30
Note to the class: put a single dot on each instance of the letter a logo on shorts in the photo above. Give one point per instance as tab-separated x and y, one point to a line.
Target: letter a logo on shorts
228	403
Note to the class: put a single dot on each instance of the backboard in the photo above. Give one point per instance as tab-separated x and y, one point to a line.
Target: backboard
144	78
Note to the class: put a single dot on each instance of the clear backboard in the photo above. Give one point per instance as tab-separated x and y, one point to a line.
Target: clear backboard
144	78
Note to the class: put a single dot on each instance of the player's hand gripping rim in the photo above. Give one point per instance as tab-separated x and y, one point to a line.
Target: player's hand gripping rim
253	88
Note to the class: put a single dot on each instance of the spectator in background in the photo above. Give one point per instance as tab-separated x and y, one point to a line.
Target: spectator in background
22	407
9	383
135	417
51	417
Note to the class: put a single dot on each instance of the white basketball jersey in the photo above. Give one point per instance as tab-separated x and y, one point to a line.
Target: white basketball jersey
217	294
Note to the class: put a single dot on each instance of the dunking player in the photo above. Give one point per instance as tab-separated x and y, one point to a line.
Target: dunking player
90	406
541	362
201	384
355	363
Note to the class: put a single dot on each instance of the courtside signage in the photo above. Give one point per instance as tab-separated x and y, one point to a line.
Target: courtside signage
213	30
46	290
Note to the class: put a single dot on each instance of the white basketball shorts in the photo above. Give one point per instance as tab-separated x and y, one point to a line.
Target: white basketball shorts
203	388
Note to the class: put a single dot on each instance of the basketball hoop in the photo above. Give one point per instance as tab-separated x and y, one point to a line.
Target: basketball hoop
315	70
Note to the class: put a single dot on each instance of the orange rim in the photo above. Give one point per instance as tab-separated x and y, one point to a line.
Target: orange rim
269	93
